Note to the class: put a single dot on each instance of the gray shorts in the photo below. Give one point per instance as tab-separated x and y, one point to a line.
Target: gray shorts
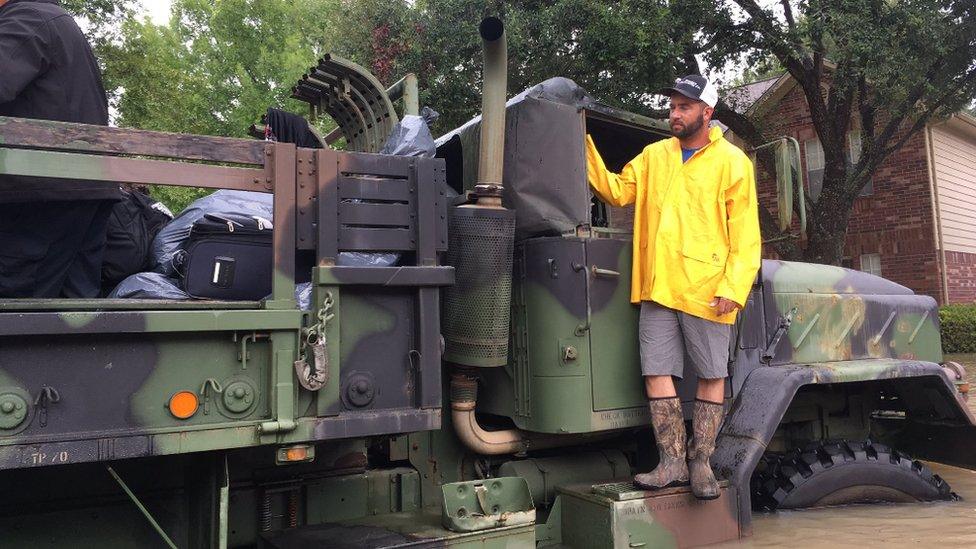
668	336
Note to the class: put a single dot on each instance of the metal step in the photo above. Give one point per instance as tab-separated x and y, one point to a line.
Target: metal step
619	514
627	490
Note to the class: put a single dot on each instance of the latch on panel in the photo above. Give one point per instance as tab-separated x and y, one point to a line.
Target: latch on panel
209	388
570	353
46	395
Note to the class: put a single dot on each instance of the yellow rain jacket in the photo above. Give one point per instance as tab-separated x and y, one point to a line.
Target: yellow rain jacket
696	224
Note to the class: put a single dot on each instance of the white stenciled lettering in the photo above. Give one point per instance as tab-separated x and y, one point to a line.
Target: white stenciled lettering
43	458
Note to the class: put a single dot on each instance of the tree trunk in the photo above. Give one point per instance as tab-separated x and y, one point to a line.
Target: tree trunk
827	229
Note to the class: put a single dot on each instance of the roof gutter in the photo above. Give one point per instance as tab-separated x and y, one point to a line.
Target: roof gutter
937	215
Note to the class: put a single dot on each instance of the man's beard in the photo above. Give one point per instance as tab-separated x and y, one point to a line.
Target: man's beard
690	129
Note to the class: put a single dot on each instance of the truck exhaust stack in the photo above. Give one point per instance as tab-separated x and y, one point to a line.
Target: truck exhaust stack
491	156
482	234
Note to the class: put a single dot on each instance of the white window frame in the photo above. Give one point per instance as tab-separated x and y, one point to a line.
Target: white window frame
815	166
853	155
871	264
816	163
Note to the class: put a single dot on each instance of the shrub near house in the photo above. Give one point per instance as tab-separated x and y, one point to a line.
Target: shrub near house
958	328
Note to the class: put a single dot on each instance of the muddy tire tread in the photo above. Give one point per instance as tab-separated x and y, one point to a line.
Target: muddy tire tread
778	476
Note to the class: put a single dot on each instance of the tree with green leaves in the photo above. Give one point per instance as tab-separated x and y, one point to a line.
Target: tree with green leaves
617	50
881	68
101	19
215	68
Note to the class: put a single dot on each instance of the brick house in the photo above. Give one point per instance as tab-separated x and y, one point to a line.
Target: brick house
915	223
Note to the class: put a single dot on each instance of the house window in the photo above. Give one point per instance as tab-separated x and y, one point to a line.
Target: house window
815	163
815	167
853	155
871	264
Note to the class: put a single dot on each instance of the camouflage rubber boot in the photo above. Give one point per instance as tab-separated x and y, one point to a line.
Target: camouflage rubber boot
669	433
706	421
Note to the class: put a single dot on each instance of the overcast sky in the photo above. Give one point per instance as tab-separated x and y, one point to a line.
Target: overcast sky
157	10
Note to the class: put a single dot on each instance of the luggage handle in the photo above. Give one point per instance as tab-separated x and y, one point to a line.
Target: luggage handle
231	224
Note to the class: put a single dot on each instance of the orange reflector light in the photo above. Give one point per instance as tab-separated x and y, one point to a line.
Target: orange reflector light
963	388
183	404
299	453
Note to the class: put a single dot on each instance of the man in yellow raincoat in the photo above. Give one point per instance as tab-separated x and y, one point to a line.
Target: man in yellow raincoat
696	254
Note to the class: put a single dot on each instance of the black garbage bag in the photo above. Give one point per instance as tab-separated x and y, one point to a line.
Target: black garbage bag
135	221
288	127
412	137
148	286
157	286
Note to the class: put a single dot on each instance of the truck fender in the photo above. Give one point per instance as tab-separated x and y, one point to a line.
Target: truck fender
767	392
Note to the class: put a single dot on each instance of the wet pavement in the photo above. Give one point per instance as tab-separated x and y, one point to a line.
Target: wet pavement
941	524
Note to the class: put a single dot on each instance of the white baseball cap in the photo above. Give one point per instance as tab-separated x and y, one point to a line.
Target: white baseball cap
696	87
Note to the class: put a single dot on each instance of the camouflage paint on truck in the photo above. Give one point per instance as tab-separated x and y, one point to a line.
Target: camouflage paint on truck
838	314
86	382
829	326
574	365
574	340
91	380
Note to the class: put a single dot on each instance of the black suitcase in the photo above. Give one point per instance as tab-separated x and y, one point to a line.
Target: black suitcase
228	258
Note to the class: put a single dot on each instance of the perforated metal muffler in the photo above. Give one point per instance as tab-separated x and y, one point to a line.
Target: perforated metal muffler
476	309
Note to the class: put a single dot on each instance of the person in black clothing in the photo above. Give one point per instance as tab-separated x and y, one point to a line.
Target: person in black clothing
52	232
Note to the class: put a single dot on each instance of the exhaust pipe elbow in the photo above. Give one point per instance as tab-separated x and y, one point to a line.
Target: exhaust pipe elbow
464	396
489	443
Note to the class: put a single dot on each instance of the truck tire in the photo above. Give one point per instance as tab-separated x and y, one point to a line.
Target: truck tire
842	472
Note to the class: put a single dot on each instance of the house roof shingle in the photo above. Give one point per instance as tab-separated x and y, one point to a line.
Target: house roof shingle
741	98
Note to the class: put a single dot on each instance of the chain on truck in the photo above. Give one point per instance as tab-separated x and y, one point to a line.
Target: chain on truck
484	392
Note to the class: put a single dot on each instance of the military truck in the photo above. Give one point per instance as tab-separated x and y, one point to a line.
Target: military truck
484	392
